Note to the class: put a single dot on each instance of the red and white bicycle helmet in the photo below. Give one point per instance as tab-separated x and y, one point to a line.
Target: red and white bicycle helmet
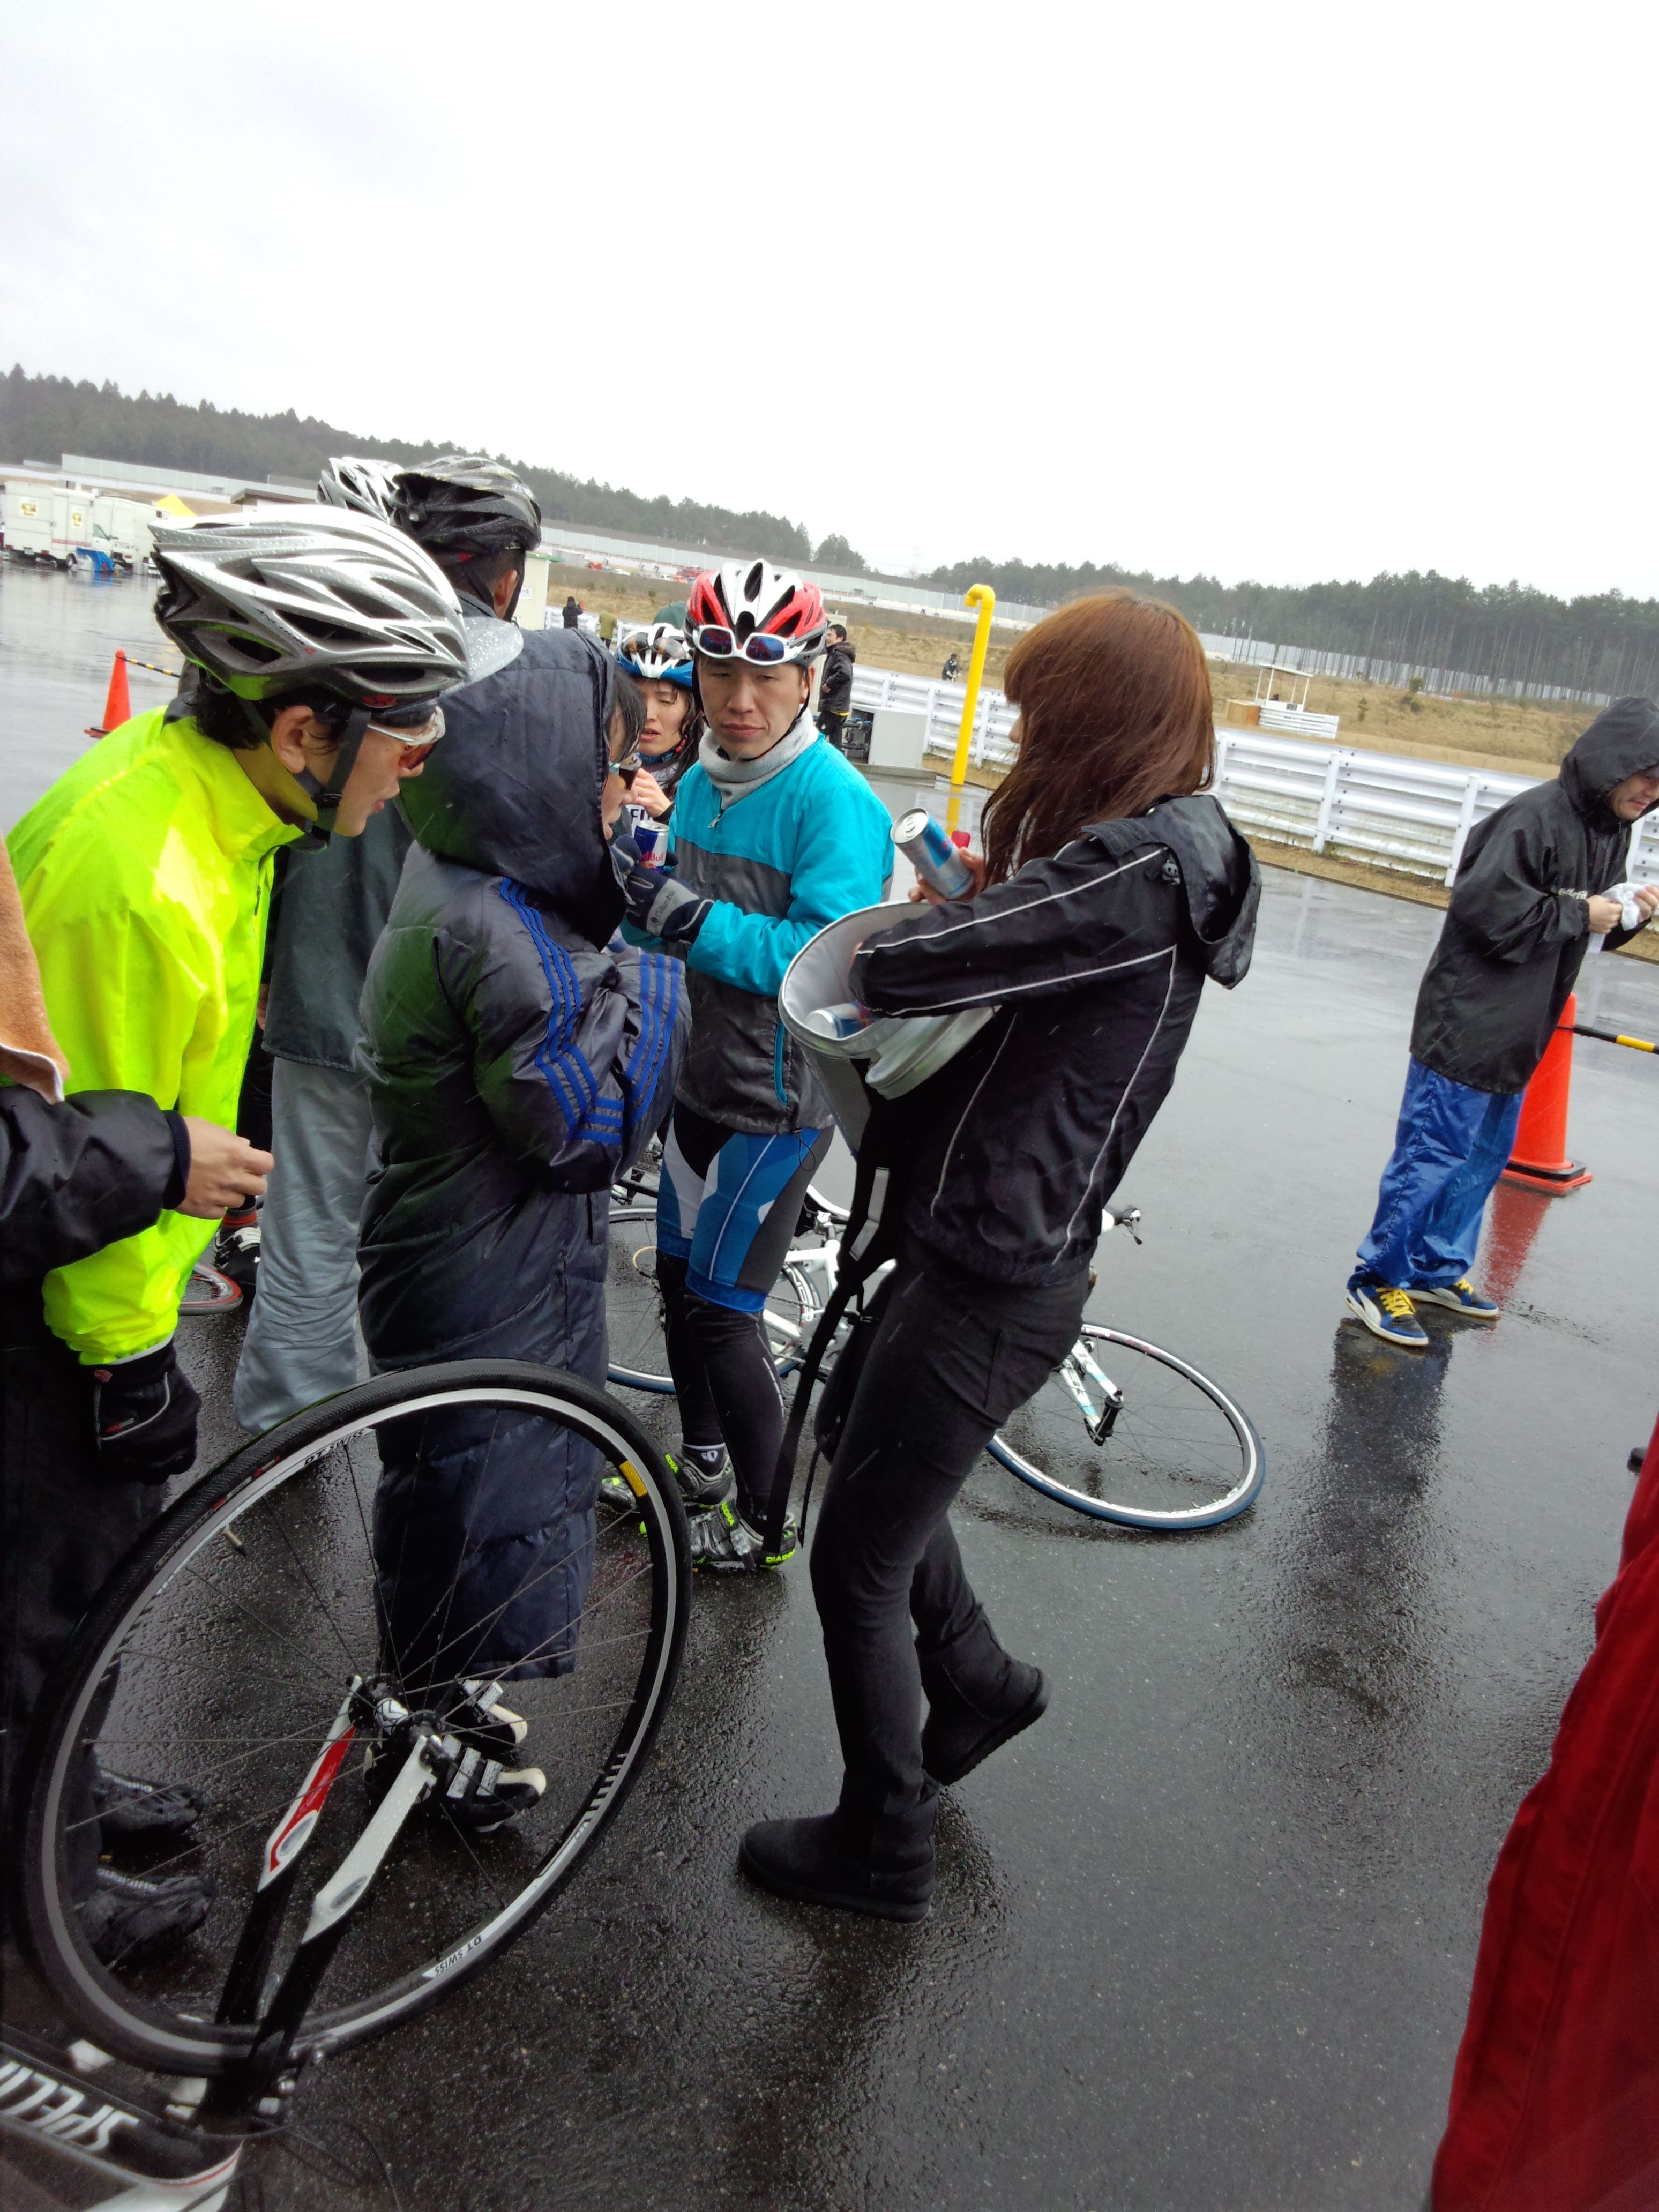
733	608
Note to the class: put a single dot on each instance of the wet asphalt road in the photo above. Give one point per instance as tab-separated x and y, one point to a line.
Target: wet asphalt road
1203	1939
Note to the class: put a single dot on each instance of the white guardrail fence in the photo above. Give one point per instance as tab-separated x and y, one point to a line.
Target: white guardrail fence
1382	808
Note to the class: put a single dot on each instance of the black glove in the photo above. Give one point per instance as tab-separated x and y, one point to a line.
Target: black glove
144	1414
656	903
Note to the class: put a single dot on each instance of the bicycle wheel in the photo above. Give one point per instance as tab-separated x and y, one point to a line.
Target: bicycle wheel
209	1292
1126	1433
634	1319
223	1655
632	1305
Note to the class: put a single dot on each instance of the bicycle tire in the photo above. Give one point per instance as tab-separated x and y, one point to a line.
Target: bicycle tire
1211	1464
627	1660
208	1292
638	1357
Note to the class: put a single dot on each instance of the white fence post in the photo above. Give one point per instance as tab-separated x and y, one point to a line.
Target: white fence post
1465	823
1327	801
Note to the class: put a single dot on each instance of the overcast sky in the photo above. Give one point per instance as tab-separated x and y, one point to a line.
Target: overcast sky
1286	291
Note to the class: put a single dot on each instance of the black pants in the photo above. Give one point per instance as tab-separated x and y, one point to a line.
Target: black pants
832	723
950	1358
718	1353
67	1525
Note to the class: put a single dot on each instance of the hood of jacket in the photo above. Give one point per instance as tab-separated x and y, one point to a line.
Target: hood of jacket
1219	874
513	787
1221	879
1623	740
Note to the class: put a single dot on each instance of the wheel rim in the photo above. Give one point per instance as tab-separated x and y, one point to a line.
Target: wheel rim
634	1318
632	1303
1182	1454
230	1650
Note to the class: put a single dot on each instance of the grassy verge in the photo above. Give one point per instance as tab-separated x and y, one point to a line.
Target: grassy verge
1514	737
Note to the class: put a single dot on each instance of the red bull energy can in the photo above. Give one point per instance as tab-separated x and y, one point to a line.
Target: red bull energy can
931	855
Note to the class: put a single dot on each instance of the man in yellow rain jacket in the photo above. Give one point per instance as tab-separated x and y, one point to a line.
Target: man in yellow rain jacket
321	640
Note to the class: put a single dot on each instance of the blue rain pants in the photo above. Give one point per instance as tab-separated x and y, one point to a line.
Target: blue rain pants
1451	1145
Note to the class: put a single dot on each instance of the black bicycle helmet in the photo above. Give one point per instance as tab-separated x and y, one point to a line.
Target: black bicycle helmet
467	503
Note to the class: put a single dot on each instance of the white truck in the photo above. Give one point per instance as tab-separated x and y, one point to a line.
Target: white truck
44	524
47	524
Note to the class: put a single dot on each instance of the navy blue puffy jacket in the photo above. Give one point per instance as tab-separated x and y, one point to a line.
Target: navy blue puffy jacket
515	1061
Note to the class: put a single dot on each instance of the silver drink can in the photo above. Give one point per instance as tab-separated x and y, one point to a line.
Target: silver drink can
931	855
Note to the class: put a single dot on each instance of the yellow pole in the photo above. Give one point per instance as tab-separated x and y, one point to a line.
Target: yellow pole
983	597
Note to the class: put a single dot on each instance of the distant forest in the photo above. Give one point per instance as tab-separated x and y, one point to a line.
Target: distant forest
44	416
1508	634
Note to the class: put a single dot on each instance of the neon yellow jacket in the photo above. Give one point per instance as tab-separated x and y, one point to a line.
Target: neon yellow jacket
145	873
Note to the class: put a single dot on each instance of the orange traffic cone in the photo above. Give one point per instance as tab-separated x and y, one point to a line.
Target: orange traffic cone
117	708
1539	1158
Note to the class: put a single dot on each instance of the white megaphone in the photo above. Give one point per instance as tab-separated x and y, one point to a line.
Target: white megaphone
894	1051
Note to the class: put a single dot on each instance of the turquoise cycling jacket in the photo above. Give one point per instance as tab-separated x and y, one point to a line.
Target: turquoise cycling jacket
781	860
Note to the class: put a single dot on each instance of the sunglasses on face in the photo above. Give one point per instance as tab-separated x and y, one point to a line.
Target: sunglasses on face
417	739
715	643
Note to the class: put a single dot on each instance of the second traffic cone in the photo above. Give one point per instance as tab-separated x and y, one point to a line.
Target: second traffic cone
117	708
1539	1158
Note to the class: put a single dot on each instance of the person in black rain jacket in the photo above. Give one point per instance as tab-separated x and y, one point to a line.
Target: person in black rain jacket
835	686
1531	892
516	1061
77	1174
1113	890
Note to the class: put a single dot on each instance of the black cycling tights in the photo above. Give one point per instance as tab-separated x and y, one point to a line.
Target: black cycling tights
725	1383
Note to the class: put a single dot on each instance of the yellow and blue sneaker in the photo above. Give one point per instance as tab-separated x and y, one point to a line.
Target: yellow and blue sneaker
1460	1297
1387	1312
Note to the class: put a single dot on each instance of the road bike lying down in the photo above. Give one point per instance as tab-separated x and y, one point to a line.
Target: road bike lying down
1123	1430
238	1648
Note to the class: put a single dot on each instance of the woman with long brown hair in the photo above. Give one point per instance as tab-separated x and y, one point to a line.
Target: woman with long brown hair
1111	886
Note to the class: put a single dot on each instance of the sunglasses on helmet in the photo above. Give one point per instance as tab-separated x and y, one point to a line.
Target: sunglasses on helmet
714	642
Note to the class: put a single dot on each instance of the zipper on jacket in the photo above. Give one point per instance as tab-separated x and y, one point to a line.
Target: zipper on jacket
777	1067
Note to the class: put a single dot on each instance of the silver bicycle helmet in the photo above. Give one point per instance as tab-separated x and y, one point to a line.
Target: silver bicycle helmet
311	598
659	653
366	487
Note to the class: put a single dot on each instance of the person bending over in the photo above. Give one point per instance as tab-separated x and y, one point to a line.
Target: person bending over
1111	887
475	519
1531	891
773	836
516	1064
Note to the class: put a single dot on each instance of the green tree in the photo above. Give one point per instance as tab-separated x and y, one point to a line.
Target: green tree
834	552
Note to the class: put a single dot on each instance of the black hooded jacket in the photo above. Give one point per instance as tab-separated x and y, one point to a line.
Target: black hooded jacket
835	687
1519	929
1095	960
515	1061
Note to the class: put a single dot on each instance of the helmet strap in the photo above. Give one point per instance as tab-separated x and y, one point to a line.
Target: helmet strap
327	796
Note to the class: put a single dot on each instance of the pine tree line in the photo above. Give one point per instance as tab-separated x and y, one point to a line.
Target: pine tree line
42	417
1507	637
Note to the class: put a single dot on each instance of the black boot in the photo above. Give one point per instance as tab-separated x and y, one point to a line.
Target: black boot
966	1724
132	1812
822	1863
130	1917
